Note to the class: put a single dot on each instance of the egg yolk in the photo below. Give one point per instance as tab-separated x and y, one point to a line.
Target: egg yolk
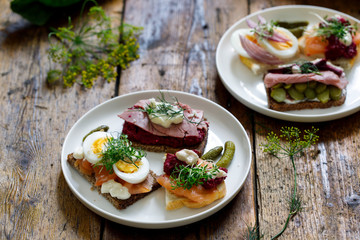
280	45
98	144
127	167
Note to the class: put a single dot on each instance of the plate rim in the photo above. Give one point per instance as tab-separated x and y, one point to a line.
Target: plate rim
163	224
294	117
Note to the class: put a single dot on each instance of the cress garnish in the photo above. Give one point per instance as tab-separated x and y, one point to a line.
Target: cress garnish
187	176
120	148
338	27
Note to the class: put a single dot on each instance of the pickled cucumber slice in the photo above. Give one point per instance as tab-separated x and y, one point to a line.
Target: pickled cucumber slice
335	93
320	87
310	93
300	87
294	94
324	96
287	86
277	85
312	84
278	94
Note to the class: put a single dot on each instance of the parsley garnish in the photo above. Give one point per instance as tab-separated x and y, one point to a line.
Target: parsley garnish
190	175
120	148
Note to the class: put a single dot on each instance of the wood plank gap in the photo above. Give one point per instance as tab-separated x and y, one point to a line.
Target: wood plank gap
257	222
118	68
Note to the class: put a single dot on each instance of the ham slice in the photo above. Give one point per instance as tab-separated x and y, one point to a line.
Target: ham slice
325	77
187	128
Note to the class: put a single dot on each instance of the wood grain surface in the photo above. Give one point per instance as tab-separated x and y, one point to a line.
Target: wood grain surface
177	52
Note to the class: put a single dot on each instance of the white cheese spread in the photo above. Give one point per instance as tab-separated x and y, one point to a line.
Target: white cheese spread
115	189
165	114
187	156
78	153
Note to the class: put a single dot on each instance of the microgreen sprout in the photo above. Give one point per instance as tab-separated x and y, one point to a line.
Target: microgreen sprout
188	176
293	145
120	148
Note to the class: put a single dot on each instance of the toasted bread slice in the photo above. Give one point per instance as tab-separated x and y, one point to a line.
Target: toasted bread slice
174	202
118	203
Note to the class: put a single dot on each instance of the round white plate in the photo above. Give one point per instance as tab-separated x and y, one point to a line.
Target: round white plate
249	88
150	212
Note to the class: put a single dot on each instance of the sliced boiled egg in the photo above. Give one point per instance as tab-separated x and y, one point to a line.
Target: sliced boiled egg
94	145
235	40
282	50
130	173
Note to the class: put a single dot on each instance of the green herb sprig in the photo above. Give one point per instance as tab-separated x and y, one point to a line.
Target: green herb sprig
165	108
92	50
309	67
292	147
191	175
333	26
264	30
120	148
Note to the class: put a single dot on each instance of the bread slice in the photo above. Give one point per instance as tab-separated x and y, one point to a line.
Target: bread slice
167	149
118	203
301	105
174	202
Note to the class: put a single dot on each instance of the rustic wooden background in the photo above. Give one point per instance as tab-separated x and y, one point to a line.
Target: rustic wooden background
177	51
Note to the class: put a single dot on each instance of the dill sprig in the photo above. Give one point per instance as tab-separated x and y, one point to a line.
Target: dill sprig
336	27
165	108
292	146
120	148
92	50
253	233
309	67
188	176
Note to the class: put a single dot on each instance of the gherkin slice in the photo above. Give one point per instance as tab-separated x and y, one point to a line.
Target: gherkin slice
310	93
278	94
335	93
294	94
324	96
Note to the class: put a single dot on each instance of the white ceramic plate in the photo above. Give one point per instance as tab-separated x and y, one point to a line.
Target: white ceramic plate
150	212
249	89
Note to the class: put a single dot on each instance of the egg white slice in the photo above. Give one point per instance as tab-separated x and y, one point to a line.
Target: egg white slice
282	54
235	41
89	154
135	177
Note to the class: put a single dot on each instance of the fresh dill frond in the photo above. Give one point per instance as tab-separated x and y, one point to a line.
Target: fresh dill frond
292	145
188	176
90	51
309	67
120	148
253	233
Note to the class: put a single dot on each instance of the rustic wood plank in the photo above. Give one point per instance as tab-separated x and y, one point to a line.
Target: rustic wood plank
327	175
177	51
36	201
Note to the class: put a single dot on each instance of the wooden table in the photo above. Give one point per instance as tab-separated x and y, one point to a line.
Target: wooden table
177	51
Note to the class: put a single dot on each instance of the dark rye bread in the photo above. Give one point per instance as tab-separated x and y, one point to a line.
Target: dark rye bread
302	105
167	149
118	203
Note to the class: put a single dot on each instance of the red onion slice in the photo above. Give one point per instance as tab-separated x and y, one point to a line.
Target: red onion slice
258	53
275	36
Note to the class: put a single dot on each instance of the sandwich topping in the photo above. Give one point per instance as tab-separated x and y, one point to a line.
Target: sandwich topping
162	123
318	80
118	167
